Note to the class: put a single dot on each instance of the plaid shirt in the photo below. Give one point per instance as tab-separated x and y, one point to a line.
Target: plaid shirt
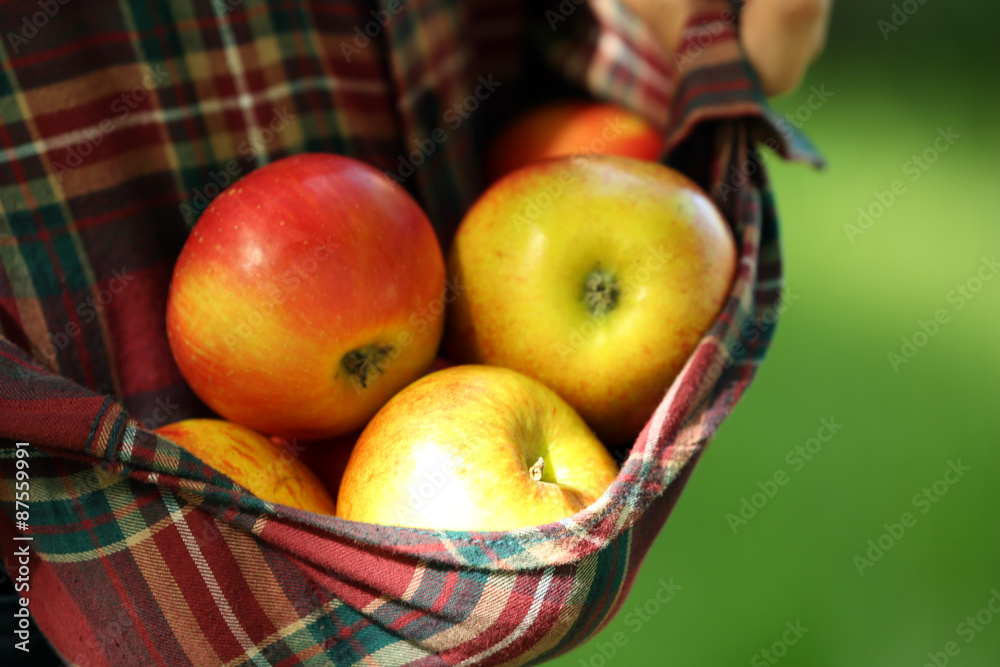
119	122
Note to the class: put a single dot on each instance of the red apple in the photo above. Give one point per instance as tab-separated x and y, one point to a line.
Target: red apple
308	293
265	468
597	276
474	448
568	128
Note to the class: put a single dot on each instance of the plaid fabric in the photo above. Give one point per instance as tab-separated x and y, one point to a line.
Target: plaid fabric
119	122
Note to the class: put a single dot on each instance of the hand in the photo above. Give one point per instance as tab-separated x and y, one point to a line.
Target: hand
781	38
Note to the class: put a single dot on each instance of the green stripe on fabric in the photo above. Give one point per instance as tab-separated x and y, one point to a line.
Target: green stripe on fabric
148	50
610	570
69	257
43	276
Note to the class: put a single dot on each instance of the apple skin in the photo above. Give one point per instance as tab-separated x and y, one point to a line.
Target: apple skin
299	303
568	128
265	468
454	451
327	459
603	294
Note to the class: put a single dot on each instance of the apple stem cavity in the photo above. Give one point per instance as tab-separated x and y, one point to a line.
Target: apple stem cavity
366	363
601	292
536	470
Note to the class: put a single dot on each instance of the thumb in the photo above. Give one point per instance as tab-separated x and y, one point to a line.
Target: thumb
781	38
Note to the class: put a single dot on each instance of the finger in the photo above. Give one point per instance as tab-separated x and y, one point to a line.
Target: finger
782	37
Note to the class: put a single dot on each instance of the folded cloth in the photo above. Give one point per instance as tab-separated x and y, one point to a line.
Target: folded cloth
119	122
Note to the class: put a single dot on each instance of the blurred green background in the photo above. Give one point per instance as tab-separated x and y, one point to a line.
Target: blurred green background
794	561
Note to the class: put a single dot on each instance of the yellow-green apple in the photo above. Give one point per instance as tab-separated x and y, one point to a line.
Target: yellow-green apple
267	469
595	275
307	294
474	448
569	128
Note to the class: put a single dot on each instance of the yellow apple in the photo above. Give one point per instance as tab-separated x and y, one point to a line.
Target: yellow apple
267	469
595	275
474	448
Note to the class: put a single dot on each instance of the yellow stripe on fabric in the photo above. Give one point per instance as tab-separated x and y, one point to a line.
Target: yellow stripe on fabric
492	601
401	652
166	145
51	193
522	627
231	50
284	90
171	599
260	579
221	601
48	489
583	580
133	527
418	575
29	307
283	633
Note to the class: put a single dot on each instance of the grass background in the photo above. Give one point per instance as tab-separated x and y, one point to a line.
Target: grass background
794	561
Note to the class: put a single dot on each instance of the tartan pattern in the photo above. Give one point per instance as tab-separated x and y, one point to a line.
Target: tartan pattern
144	555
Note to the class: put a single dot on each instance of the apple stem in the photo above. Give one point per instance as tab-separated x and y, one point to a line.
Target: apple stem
364	364
601	292
536	470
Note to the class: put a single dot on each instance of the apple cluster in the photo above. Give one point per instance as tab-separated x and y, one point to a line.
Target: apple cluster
329	381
